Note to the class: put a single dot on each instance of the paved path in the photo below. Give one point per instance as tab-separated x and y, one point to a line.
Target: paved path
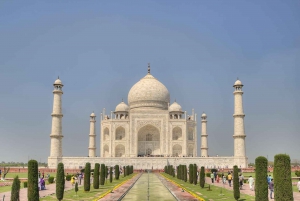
246	189
50	189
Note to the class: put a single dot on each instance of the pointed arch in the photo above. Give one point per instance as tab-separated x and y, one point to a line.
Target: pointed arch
177	150
177	133
120	133
106	134
105	151
120	150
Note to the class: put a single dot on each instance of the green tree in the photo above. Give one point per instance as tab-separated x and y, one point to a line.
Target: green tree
202	177
127	170
261	173
191	167
117	172
76	188
32	186
96	176
124	172
185	173
110	175
15	190
236	185
87	177
282	178
102	174
195	174
60	181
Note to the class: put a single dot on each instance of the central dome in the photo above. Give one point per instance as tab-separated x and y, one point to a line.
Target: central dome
148	92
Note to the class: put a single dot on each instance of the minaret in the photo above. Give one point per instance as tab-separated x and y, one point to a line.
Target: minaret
239	130
92	135
56	130
204	135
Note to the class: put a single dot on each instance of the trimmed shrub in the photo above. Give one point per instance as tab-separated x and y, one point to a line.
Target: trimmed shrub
87	177
60	181
297	173
236	185
51	180
261	173
110	175
33	188
25	184
127	170
185	173
76	187
207	174
195	174
117	172
106	172
96	176
202	177
102	174
15	190
68	177
191	167
282	176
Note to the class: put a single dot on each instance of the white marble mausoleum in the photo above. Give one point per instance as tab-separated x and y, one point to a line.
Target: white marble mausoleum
148	132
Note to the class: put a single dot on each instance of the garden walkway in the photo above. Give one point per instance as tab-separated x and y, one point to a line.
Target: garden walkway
50	189
246	190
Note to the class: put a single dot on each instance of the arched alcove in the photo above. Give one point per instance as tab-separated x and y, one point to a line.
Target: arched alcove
120	150
120	133
106	134
177	133
177	150
106	151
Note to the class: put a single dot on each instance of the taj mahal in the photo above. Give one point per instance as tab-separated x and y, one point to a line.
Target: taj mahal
148	132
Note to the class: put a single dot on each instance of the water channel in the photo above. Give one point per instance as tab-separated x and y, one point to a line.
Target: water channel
149	187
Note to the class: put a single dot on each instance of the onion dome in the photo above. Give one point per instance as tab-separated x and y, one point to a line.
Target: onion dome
93	115
149	93
175	107
122	107
203	115
238	83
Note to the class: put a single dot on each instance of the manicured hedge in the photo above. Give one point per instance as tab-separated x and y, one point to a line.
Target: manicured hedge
33	189
202	177
15	189
191	167
87	177
117	172
261	185
236	185
102	174
96	176
60	181
51	180
195	174
282	178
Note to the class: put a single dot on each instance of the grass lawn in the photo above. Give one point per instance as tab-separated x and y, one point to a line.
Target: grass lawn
92	194
24	175
214	194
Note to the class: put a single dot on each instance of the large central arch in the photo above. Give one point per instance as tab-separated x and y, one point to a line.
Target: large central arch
148	141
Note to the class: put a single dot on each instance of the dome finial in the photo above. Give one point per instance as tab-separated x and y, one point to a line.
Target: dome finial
122	100
57	77
175	100
148	68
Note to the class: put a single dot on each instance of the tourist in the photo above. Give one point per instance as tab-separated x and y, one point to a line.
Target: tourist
80	177
229	179
42	183
73	180
269	179
241	180
251	182
271	187
224	179
298	185
218	178
212	177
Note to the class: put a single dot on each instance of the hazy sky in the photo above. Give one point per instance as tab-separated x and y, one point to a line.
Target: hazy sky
197	49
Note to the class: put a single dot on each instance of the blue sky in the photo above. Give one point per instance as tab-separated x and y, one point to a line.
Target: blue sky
197	49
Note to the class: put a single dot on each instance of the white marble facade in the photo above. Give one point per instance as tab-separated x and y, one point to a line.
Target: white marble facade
149	132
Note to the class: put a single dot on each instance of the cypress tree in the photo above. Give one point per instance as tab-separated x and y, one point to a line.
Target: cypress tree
32	185
102	174
87	177
96	176
261	173
117	172
110	175
106	172
236	185
76	188
191	167
177	172
202	177
180	172
60	181
195	174
282	178
15	190
185	173
126	170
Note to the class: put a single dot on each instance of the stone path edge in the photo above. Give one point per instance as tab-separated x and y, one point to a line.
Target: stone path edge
193	194
114	188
